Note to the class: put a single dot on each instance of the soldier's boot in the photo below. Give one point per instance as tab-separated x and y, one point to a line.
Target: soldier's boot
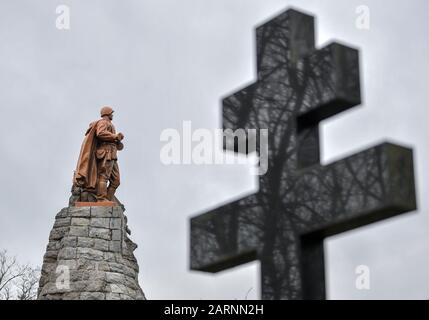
111	193
102	190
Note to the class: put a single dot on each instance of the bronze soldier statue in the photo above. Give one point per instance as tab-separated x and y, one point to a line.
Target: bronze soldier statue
97	173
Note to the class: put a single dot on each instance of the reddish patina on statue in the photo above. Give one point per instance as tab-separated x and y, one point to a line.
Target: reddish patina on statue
97	173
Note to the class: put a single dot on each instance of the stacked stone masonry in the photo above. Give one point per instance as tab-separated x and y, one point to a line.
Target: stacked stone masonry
90	257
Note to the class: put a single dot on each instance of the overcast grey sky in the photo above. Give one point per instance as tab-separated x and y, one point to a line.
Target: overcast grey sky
161	62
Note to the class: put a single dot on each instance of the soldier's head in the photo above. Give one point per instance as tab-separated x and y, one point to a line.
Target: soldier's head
107	112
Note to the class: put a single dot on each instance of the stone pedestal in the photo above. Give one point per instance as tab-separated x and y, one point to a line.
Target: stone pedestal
89	256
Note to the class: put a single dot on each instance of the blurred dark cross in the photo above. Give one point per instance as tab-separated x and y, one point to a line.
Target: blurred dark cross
300	202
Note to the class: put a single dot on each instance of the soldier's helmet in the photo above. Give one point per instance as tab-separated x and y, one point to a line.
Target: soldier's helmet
106	111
